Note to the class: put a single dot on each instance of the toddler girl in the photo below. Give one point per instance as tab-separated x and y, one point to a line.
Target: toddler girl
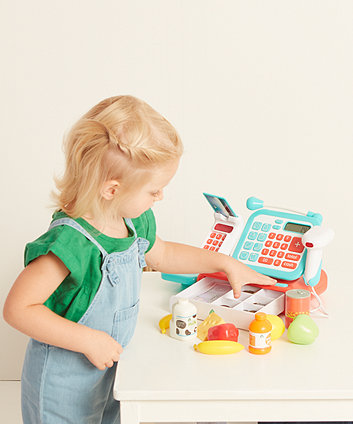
78	295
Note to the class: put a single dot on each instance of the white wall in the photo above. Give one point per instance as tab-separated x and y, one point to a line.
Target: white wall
260	91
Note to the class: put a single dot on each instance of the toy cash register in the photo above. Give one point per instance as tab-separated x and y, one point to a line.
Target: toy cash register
284	245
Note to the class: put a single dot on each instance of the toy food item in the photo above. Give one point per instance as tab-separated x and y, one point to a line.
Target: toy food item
303	330
226	331
164	323
212	320
260	334
278	326
183	324
297	302
218	347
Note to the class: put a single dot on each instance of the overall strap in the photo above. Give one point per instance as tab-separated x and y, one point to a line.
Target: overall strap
129	223
72	223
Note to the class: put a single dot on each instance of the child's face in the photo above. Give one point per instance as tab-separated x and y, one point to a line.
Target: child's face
138	201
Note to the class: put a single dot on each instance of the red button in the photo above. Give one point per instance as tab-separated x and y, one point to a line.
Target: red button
264	251
273	253
279	236
276	244
205	246
289	265
220	243
296	245
215	242
280	254
271	235
287	238
277	262
268	243
224	236
308	244
218	236
292	256
267	261
209	241
212	248
224	228
217	249
213	235
284	246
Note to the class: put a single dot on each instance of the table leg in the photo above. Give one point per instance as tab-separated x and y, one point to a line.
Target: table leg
129	412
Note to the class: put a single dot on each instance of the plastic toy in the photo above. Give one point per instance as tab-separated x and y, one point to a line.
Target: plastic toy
227	331
218	347
222	237
260	335
210	321
303	330
183	325
164	323
296	302
278	326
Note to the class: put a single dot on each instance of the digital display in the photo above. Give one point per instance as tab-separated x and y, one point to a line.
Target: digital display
297	228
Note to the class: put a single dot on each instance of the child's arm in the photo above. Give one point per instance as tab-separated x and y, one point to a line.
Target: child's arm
182	259
25	311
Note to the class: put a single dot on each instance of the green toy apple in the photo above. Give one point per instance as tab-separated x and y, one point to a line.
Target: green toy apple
303	330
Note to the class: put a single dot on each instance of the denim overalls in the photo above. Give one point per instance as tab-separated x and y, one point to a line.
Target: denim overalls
60	386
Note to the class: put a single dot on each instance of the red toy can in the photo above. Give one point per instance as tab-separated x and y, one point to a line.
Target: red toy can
297	302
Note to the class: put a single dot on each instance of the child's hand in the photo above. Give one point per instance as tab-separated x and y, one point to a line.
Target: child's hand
102	350
239	274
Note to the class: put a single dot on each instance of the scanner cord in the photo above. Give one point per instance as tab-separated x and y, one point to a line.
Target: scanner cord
321	306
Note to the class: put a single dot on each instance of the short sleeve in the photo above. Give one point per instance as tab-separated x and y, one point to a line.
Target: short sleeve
57	240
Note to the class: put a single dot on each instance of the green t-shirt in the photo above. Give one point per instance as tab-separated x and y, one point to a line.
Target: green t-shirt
83	259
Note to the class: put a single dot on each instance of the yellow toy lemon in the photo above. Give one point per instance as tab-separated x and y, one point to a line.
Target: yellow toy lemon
278	326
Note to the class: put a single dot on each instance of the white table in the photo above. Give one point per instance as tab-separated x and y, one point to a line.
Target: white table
160	379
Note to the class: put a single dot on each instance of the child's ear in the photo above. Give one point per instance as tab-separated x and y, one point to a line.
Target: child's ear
109	189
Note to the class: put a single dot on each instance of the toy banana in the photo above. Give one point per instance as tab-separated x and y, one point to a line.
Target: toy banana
218	347
164	323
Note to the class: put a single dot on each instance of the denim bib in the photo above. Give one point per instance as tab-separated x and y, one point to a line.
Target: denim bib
61	386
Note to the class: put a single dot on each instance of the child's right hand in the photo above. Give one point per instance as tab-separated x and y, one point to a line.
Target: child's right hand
102	350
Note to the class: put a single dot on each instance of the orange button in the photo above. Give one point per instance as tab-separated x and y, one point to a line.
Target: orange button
205	246
280	254
209	241
292	256
268	243
220	243
284	246
296	245
287	238
267	261
212	248
264	251
213	235
217	249
271	235
218	236
279	236
273	253
277	262
276	244
215	242
289	265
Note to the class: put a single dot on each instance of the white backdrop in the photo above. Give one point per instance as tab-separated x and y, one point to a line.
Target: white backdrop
261	93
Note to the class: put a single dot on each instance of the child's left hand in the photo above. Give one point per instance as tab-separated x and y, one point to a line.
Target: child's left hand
239	274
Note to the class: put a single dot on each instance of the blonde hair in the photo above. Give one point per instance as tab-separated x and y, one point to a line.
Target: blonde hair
121	138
